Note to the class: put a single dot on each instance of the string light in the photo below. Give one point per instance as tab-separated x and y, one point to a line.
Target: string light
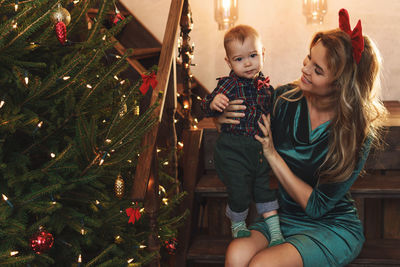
165	163
108	141
52	155
130	260
142	246
122	82
8	201
13	253
88	86
196	120
180	144
83	231
195	127
40	124
66	78
2	103
104	38
175	120
26	79
15	25
79	260
141	210
16	7
158	150
165	200
116	77
161	189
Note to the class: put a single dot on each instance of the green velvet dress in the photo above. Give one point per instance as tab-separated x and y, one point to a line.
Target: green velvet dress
328	232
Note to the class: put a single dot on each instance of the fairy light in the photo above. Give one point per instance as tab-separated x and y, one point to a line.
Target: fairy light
16	7
2	103
129	161
122	82
130	260
195	126
116	77
88	86
83	231
165	200
97	202
142	246
101	162
76	2
104	38
158	150
79	259
185	104
13	253
180	144
26	79
165	163
15	25
196	120
161	189
52	155
40	124
117	56
104	121
175	120
199	98
108	141
66	78
141	210
8	201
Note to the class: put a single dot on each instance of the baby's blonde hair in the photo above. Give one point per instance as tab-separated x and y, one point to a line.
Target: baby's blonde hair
239	33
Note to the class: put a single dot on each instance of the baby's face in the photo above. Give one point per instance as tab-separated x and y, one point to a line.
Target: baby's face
245	59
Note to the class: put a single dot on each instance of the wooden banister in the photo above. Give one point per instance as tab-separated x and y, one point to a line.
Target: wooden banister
142	173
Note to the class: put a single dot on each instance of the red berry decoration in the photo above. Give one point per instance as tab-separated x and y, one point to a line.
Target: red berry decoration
170	245
61	31
41	241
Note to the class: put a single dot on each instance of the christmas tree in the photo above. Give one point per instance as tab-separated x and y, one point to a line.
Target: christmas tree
70	133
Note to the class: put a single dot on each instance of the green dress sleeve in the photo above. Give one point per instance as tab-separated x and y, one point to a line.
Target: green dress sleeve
325	196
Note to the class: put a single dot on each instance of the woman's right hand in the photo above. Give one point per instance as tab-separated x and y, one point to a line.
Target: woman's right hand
230	114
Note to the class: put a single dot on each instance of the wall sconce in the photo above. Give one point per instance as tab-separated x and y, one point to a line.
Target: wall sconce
315	10
226	13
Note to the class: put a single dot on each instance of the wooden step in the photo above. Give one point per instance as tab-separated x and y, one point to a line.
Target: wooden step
207	249
367	186
375	253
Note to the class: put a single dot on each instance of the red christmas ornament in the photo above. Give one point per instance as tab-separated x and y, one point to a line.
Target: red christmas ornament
61	32
41	241
170	245
117	18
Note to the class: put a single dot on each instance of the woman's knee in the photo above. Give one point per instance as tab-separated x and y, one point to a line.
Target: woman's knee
239	253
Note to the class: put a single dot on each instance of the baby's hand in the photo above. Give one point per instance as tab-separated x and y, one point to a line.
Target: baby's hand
219	103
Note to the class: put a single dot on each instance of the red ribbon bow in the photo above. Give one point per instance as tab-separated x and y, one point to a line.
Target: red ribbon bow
357	40
134	214
148	80
261	83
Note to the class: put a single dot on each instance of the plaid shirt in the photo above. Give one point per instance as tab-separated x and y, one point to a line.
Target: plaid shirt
256	94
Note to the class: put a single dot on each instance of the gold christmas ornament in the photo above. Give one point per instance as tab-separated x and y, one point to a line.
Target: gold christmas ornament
60	14
119	186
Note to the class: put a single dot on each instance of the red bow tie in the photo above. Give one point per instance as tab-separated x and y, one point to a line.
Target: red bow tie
261	83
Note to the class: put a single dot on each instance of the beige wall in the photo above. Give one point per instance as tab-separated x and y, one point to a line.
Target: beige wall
285	34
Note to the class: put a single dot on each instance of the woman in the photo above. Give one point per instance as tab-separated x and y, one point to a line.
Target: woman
321	132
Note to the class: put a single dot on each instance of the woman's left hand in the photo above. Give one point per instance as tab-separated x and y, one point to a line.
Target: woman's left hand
266	141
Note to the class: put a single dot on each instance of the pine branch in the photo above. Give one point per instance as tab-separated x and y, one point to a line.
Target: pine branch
32	26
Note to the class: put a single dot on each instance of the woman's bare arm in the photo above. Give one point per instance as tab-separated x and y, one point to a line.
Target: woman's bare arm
296	188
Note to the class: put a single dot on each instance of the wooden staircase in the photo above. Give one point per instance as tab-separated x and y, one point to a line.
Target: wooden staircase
377	195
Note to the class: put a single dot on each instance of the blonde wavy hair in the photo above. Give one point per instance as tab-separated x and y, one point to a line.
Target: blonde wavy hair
359	113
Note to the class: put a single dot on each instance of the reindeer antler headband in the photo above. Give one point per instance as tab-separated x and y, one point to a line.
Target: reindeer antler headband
357	40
